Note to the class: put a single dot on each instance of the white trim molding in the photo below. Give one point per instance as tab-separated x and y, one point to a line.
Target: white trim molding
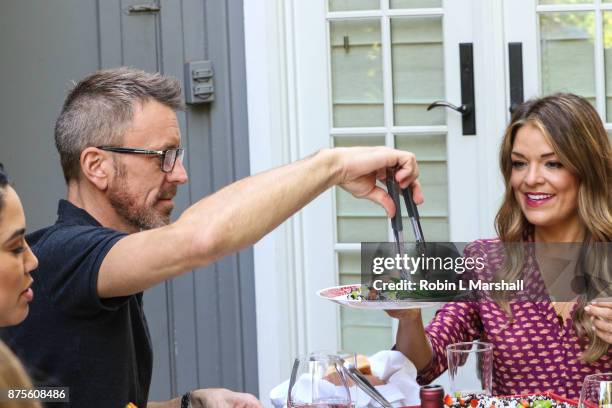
490	67
269	147
281	121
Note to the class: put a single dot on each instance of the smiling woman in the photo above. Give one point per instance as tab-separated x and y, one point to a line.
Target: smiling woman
556	163
555	159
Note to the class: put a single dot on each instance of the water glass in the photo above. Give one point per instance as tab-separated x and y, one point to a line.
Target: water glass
349	359
596	391
470	367
318	381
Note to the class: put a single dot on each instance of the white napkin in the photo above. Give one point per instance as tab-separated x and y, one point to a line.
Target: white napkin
400	374
391	366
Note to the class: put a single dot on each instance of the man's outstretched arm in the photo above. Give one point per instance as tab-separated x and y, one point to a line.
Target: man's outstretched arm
243	212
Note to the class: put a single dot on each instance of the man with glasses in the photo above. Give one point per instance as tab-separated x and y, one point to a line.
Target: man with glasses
120	148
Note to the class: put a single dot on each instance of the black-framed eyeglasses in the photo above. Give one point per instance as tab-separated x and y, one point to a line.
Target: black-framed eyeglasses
168	156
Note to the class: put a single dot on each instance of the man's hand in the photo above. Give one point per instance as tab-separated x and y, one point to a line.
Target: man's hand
601	317
363	166
222	398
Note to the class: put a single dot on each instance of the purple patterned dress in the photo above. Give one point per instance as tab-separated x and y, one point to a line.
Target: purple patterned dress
535	353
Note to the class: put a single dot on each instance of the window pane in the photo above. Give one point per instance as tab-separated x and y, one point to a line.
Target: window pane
348	5
365	339
607	17
363	331
566	1
567	57
425	147
415	3
362	229
418	70
435	229
350	267
358	140
356	69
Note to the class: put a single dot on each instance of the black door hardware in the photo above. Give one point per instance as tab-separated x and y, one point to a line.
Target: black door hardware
515	60
468	106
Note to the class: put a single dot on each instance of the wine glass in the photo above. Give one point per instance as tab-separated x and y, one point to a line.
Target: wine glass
596	391
318	381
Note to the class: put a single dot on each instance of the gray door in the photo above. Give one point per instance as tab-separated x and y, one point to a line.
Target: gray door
203	323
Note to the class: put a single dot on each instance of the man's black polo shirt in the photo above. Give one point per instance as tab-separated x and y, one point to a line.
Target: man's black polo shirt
100	348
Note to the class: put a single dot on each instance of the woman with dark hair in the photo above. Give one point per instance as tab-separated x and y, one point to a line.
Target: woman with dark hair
16	263
556	163
16	258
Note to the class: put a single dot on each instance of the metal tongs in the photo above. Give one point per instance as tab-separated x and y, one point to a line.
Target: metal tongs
393	188
367	387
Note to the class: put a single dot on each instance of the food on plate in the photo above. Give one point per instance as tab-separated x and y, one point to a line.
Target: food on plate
485	401
369	293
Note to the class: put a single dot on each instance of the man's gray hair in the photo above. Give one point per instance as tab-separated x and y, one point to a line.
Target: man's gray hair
98	110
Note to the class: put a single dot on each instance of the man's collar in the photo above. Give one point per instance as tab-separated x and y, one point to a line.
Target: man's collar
68	212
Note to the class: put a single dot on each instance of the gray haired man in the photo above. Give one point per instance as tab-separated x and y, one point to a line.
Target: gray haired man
120	149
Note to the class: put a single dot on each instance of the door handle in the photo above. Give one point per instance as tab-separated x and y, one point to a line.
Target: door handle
463	109
515	65
467	109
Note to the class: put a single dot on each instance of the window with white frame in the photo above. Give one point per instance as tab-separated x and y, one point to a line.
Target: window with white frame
575	50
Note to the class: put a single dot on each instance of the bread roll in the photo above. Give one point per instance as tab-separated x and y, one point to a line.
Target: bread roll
363	365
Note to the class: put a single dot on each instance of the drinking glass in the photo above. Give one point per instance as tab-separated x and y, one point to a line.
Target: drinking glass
596	391
349	358
470	367
318	381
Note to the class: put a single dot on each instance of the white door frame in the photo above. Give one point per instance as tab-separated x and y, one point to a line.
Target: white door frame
526	34
274	90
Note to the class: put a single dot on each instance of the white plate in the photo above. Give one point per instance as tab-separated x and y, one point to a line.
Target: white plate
339	294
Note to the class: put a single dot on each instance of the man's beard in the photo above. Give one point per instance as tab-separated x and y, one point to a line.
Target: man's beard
143	217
